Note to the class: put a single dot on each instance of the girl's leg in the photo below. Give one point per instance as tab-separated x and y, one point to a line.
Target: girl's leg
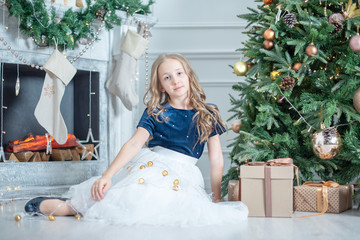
55	207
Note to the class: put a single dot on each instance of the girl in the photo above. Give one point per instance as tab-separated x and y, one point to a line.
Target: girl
159	185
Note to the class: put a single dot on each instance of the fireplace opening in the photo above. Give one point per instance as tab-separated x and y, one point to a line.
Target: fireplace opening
19	121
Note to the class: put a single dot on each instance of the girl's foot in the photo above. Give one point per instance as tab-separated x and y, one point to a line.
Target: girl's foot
46	205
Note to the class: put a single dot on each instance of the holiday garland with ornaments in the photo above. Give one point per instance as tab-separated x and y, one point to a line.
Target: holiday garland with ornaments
40	21
298	93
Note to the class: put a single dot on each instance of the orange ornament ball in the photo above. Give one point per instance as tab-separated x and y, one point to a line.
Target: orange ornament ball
269	34
268	45
236	125
311	50
267	2
297	66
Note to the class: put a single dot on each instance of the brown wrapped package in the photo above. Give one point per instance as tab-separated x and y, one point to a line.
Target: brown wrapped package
233	190
323	197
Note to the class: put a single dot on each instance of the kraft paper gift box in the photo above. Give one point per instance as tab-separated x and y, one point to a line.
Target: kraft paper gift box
267	190
322	197
233	190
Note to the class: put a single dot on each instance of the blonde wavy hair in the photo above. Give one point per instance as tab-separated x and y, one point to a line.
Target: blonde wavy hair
208	115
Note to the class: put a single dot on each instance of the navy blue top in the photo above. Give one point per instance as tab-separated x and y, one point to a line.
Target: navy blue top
178	133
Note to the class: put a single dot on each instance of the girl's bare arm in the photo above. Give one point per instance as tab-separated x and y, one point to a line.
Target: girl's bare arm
126	153
216	166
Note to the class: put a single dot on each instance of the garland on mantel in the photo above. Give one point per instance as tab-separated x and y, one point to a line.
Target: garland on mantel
47	28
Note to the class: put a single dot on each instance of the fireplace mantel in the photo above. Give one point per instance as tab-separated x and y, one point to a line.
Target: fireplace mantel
24	180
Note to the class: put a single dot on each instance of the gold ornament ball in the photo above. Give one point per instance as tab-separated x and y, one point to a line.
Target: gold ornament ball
326	144
269	34
142	166
164	173
355	43
356	100
175	188
176	182
150	163
141	181
268	45
236	125
51	217
267	2
240	68
274	75
311	50
297	66
17	218
78	216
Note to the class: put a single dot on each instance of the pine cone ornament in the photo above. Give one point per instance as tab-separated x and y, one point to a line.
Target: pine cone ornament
289	19
338	27
336	20
287	83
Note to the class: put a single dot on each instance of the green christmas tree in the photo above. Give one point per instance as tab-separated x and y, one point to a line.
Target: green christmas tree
298	98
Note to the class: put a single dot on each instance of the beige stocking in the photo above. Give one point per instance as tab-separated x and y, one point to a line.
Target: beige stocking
59	72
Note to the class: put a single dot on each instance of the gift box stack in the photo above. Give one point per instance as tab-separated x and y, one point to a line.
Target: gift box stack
266	188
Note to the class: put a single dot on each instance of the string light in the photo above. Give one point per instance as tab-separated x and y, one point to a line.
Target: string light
292	106
90	136
302	118
2	154
7	190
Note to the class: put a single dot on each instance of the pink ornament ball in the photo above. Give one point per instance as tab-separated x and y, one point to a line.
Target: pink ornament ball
355	43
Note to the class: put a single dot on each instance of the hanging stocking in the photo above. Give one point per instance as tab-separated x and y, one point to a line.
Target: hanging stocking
119	83
59	72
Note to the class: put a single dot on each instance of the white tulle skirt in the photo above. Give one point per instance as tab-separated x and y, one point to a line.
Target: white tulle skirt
158	187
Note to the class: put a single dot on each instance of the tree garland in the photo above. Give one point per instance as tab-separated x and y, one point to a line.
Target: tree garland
76	26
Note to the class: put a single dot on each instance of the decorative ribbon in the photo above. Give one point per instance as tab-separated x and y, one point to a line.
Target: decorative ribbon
279	162
322	193
267	178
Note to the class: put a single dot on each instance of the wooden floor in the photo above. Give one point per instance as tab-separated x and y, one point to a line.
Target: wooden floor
328	226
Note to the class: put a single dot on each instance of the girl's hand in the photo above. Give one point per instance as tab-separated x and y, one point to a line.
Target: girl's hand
100	187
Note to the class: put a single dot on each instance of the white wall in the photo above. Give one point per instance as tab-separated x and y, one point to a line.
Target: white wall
207	32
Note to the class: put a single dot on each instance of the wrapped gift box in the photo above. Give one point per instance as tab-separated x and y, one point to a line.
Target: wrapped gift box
233	190
267	190
322	198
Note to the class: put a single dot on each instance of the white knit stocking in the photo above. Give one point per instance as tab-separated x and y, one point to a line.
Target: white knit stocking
59	72
119	83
